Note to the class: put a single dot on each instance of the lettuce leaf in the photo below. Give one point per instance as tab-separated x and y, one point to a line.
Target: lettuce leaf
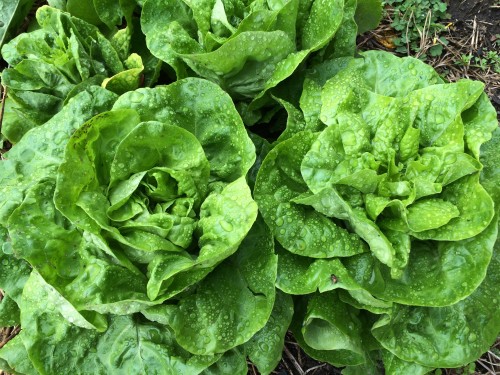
11	16
248	48
55	62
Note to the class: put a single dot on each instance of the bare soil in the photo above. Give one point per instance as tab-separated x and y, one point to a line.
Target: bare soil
477	22
486	12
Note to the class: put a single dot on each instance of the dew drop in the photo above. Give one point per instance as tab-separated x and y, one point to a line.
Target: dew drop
27	155
59	137
136	97
301	245
349	138
43	147
228	227
450	158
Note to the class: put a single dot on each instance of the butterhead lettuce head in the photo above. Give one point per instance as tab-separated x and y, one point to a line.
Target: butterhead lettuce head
392	206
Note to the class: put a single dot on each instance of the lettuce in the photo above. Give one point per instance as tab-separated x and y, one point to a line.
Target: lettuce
250	47
145	229
11	17
390	210
136	232
53	63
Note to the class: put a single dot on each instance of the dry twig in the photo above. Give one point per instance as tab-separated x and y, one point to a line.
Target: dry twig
3	91
294	361
314	368
8	334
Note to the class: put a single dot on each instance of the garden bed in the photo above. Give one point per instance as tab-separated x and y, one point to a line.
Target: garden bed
472	37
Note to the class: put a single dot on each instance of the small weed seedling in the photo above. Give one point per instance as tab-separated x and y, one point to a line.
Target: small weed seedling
417	21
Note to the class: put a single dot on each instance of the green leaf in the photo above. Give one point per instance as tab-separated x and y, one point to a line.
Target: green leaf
430	213
295	120
490	175
172	154
363	300
15	273
368	368
265	348
85	10
97	138
459	333
54	62
230	59
112	12
438	274
14	357
12	14
283	70
323	21
9	312
59	4
328	159
171	40
479	122
233	302
310	100
59	304
277	38
34	158
331	332
440	105
50	236
368	15
108	282
142	198
394	365
344	40
232	362
389	75
299	229
225	219
262	148
304	275
330	203
129	79
471	213
128	345
206	111
366	150
164	270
